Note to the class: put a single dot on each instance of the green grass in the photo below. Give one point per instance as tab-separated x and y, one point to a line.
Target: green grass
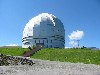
69	55
13	51
86	56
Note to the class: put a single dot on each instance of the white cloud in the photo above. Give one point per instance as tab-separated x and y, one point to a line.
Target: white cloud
12	45
76	35
73	43
67	47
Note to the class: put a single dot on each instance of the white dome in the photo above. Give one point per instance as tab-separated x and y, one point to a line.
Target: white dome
44	26
41	17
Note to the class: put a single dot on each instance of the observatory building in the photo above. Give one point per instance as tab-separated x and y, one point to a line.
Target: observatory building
45	29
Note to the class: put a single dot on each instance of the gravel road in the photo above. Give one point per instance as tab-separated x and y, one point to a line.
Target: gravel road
42	67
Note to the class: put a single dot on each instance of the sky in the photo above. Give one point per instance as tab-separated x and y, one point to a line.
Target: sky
76	15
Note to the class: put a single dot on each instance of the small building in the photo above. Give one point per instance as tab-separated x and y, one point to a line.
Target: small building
45	29
93	48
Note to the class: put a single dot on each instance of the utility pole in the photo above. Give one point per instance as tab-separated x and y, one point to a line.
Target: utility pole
78	43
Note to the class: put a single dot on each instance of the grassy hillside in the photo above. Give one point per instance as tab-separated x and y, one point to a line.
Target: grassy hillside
69	55
12	51
65	55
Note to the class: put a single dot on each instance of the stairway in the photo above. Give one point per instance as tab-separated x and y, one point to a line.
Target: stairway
32	51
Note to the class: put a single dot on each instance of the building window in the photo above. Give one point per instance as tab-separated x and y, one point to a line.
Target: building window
51	41
47	41
39	41
51	46
35	41
47	46
43	41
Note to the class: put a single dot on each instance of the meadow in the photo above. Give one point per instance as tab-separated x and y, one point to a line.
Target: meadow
13	51
86	56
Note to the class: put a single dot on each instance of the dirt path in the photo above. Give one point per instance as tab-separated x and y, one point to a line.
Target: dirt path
51	68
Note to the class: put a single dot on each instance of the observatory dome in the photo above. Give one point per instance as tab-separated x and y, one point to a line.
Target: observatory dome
44	29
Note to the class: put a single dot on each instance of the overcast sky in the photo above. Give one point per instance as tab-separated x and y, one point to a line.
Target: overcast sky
76	15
